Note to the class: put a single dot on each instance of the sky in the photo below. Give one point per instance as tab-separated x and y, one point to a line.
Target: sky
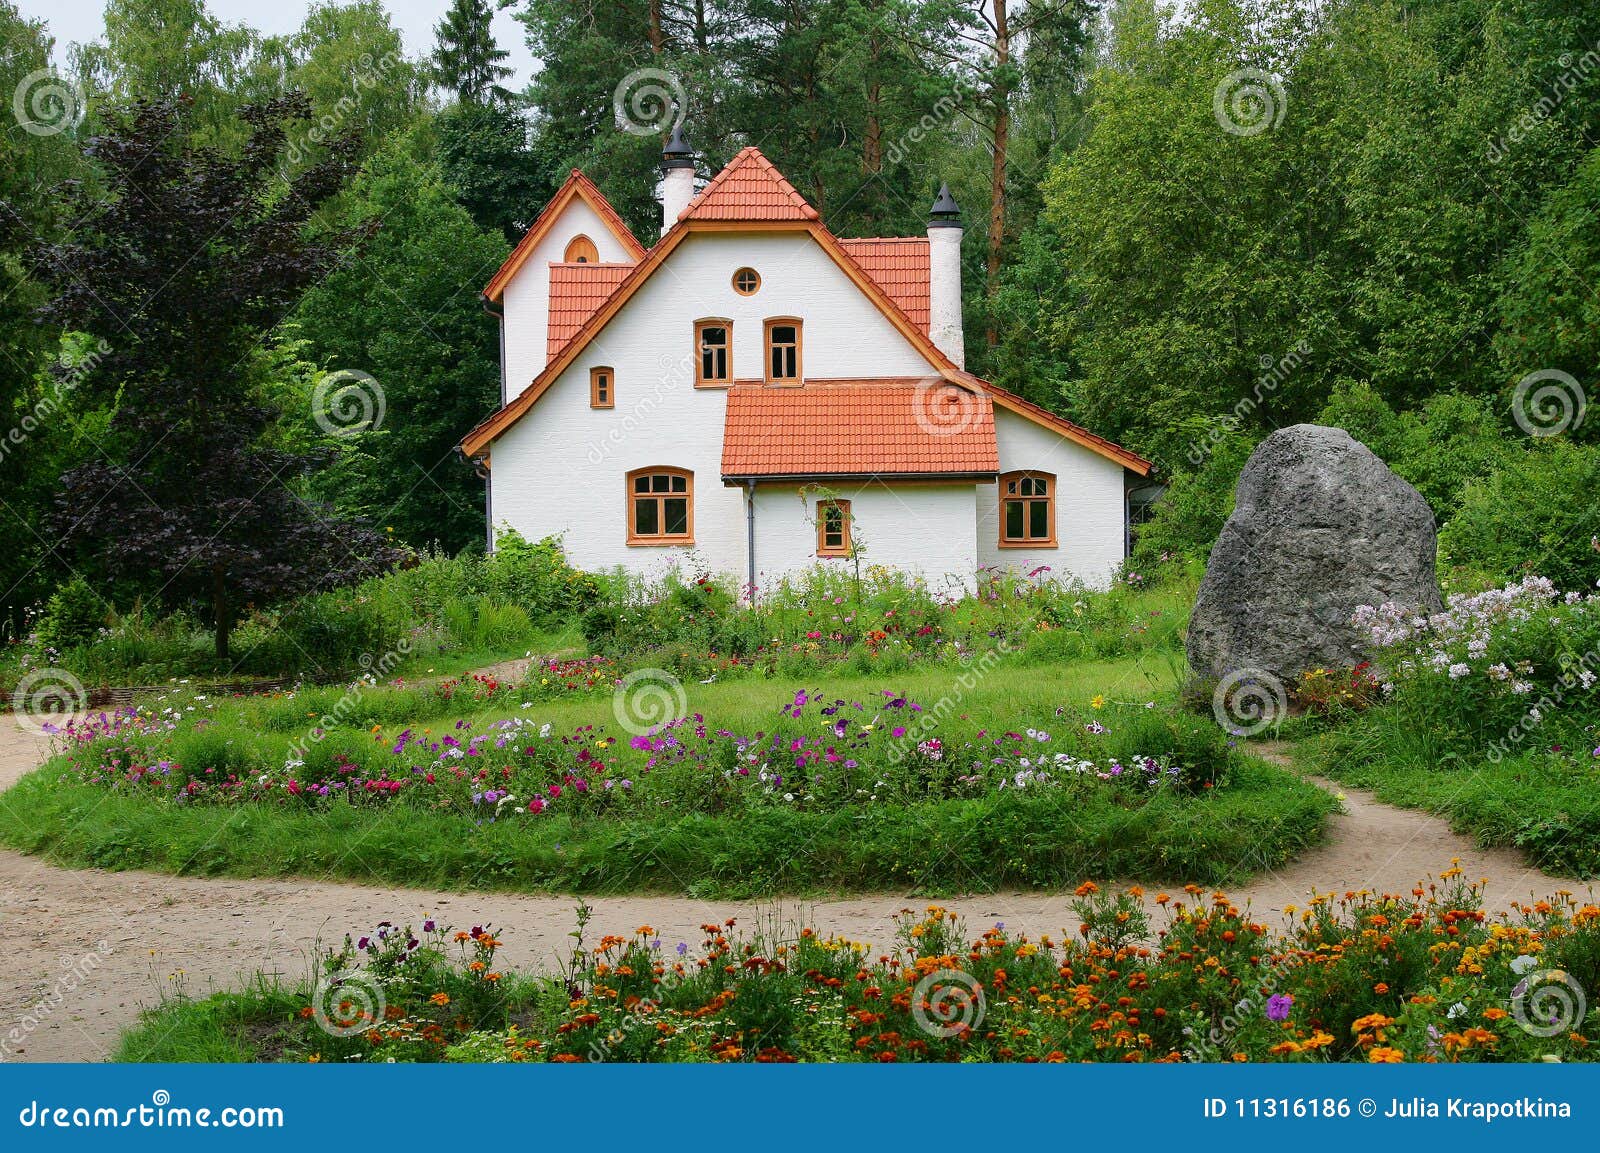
78	21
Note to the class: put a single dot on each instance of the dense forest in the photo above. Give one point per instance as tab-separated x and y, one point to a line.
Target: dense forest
242	332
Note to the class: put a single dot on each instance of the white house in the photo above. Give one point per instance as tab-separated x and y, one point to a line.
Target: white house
756	392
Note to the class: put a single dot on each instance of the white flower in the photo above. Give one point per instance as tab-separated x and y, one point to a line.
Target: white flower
1522	964
1456	1010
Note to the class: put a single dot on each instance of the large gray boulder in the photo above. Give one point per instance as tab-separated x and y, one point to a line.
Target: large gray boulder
1319	527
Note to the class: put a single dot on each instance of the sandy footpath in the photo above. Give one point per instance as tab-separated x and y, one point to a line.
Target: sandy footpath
115	940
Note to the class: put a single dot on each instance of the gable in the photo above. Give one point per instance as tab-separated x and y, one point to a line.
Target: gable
600	218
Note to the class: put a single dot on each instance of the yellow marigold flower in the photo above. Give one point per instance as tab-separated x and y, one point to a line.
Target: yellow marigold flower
1384	1055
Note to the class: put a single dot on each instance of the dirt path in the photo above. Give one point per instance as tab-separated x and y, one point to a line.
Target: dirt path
88	949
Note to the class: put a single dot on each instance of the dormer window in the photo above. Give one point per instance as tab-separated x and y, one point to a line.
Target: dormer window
713	353
783	351
580	250
602	388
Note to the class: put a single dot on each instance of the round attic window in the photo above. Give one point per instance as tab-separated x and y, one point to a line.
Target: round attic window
746	281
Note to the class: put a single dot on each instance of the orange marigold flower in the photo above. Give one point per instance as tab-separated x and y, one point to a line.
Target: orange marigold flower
1384	1055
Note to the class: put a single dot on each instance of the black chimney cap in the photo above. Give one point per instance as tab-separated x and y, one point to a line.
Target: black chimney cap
945	213
677	153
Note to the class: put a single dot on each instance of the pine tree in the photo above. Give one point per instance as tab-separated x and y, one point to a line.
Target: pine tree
467	60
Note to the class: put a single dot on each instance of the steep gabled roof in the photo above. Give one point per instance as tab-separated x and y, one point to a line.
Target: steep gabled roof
899	265
897	426
580	187
576	290
749	188
788	211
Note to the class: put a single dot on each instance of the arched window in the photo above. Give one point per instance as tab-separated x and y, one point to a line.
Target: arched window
713	352
580	250
660	506
1028	510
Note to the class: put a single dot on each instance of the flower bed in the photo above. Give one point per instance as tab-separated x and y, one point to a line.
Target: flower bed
1421	977
821	754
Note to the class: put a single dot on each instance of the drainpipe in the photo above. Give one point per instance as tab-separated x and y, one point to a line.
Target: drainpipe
750	537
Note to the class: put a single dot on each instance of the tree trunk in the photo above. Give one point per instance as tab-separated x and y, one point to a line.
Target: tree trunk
1000	99
656	38
220	609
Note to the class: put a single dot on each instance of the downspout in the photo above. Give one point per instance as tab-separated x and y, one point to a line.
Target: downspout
750	537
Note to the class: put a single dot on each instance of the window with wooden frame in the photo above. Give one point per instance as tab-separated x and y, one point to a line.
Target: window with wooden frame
746	281
1028	510
783	350
660	506
713	353
602	388
580	250
833	528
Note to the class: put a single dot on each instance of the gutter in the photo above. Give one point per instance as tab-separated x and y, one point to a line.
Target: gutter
734	481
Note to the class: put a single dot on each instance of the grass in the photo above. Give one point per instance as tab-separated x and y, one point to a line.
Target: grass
1044	838
1544	802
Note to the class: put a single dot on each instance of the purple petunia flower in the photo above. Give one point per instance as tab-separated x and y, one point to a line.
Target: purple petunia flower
1278	1006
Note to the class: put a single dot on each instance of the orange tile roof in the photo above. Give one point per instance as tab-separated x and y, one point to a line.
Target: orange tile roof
577	186
899	265
897	426
749	188
576	290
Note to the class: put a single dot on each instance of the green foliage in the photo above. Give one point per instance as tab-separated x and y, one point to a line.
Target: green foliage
1533	514
71	616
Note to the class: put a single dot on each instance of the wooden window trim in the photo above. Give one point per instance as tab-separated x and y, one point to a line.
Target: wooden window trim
699	327
799	377
1050	509
738	272
609	400
580	250
823	548
631	498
